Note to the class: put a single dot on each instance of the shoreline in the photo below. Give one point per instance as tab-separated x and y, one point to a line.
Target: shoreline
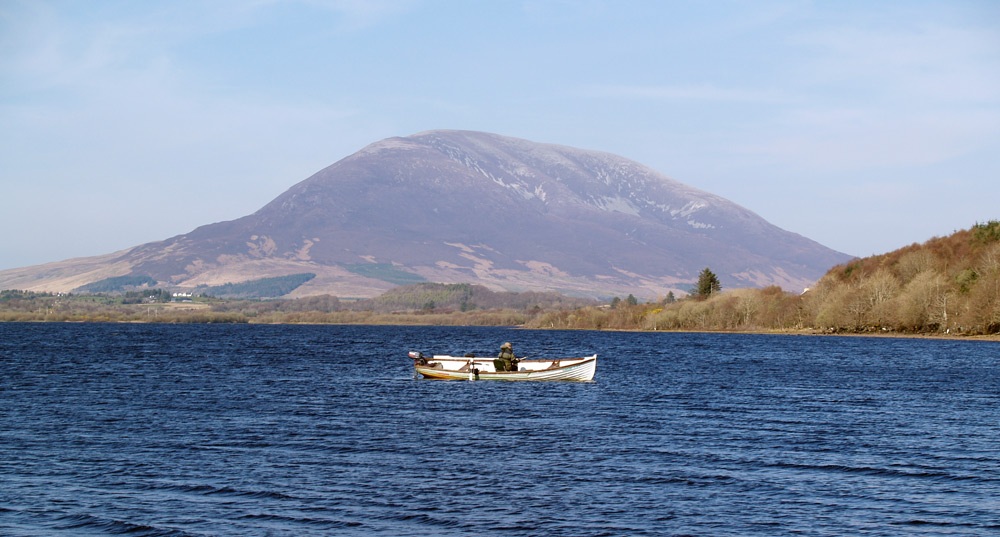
806	332
800	332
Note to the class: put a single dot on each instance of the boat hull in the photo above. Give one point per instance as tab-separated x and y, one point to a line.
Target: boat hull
460	368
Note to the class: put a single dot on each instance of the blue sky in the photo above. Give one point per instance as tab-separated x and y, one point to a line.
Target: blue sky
866	126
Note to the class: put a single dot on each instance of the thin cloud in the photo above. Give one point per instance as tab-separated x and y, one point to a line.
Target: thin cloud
850	139
349	15
927	62
700	92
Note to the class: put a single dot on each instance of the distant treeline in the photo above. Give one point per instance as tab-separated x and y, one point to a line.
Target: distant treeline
424	303
946	285
116	284
260	288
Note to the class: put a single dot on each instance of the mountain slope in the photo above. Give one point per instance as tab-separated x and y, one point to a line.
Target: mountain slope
459	206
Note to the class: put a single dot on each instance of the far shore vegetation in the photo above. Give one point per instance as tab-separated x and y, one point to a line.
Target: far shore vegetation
945	286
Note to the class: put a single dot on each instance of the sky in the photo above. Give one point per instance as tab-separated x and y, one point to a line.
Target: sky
865	126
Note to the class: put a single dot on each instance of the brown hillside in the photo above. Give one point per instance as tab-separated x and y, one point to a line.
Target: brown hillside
945	284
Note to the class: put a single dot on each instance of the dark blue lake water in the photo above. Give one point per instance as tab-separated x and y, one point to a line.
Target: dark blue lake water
242	430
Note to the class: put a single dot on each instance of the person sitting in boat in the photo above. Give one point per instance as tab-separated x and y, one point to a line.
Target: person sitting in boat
506	361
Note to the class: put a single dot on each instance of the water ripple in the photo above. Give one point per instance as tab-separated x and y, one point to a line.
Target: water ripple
322	430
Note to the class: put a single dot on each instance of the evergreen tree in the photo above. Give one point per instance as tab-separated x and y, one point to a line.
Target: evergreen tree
708	283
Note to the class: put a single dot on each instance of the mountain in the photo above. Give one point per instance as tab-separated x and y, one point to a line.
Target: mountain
460	206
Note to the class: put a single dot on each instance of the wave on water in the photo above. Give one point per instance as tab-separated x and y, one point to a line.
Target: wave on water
98	524
308	431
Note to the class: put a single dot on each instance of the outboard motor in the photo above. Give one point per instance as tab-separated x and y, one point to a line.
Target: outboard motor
418	358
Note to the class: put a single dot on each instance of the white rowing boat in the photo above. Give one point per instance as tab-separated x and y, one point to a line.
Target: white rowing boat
448	367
